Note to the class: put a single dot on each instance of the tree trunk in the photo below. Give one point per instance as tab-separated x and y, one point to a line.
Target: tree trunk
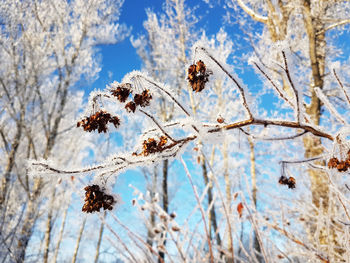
29	221
99	239
254	190
49	226
10	162
165	201
60	234
228	200
212	213
150	234
76	250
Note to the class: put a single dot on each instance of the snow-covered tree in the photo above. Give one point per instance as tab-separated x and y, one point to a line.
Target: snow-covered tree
288	223
47	52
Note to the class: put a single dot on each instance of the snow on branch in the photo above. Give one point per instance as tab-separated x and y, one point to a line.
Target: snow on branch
253	14
138	92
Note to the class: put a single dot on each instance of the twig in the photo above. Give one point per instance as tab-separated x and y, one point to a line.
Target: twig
274	139
166	92
241	90
292	84
274	85
302	161
328	105
159	126
201	209
288	124
137	237
297	241
342	86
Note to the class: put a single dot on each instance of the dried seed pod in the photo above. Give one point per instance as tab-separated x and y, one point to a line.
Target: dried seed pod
287	181
98	121
122	92
197	76
175	228
95	199
342	167
152	146
143	99
333	162
220	120
130	106
291	182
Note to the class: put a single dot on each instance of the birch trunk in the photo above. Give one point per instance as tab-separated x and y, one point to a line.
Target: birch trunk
49	227
76	250
99	239
60	234
254	190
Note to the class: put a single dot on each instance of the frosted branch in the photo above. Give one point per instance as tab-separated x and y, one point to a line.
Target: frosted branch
328	105
341	86
251	13
340	23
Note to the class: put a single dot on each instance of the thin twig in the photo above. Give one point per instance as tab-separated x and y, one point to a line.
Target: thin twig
166	92
297	241
159	126
241	90
287	124
302	161
274	85
286	69
342	86
274	139
138	238
200	208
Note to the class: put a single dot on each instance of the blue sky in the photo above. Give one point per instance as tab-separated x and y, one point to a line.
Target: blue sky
122	58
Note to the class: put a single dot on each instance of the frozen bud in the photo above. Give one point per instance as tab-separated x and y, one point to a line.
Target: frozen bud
163	217
175	228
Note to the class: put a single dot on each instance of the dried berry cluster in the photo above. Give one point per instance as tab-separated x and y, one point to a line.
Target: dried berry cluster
342	166
95	199
197	76
123	91
98	121
151	145
287	181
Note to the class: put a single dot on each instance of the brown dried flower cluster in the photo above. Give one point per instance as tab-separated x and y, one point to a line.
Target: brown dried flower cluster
287	181
342	166
98	121
151	145
143	99
95	199
197	76
122	92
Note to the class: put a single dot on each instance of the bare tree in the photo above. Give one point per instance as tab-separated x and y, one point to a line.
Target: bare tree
46	46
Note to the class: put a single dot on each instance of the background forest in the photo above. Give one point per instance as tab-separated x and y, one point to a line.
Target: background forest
227	143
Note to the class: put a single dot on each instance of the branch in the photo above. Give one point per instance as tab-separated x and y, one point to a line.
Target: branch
292	84
340	23
251	13
273	139
342	86
274	85
165	91
172	149
241	90
297	241
287	124
159	126
328	105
